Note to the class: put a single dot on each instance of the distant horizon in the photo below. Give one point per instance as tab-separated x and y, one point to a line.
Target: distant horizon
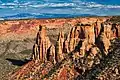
25	9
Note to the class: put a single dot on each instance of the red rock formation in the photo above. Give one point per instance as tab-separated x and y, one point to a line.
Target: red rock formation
89	34
107	30
97	26
59	47
118	30
94	50
62	74
65	47
21	29
71	40
105	42
80	42
83	48
35	51
51	54
42	45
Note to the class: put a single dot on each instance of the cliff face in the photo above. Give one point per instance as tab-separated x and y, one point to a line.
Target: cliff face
21	29
86	43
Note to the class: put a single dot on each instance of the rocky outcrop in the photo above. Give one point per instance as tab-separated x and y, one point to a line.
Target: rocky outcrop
80	40
59	47
51	56
40	49
104	43
97	28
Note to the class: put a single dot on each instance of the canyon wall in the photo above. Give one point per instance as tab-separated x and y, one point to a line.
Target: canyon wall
83	47
81	39
22	29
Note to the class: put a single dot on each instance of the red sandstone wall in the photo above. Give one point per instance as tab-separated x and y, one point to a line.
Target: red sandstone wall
21	29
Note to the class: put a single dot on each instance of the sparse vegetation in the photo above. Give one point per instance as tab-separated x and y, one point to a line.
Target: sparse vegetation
12	51
115	19
27	51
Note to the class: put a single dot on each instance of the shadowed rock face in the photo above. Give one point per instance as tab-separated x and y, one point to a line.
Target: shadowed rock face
86	41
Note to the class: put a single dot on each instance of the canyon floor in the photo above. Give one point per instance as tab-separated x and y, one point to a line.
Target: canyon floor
15	52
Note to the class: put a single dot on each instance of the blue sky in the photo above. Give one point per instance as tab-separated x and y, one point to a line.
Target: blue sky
10	9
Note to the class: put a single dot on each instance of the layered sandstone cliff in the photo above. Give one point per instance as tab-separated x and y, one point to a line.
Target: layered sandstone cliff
21	29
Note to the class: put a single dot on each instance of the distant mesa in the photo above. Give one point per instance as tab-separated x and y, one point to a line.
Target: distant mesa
44	15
